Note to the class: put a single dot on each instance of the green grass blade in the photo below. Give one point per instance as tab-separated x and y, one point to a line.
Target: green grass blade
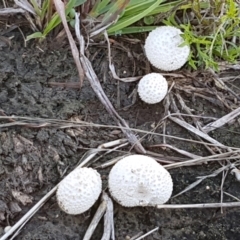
36	7
125	22
34	35
117	8
56	20
130	30
98	8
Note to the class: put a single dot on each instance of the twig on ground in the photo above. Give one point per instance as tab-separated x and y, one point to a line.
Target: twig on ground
195	131
60	7
183	152
201	178
216	157
11	11
148	233
106	207
112	68
199	205
109	232
96	86
221	121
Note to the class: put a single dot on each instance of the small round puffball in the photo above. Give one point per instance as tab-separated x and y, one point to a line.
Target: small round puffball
152	88
138	180
163	50
79	190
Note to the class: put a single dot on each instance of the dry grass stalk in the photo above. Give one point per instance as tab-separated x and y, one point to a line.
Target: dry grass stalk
195	131
111	65
148	233
60	7
217	157
199	205
106	207
96	86
11	11
183	152
221	121
201	178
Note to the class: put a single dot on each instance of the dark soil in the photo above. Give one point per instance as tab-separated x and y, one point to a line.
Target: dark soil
33	160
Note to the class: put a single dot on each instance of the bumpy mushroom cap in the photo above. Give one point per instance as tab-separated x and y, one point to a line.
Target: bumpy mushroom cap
152	88
79	190
138	180
163	48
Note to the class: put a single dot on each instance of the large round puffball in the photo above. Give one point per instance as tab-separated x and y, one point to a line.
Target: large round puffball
138	180
163	50
79	190
152	88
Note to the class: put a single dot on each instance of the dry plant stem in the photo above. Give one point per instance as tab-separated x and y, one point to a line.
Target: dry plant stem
24	4
224	175
136	236
222	85
109	221
215	157
200	205
61	11
183	152
64	124
221	121
112	68
201	178
112	161
97	217
230	195
195	131
96	86
11	11
148	233
43	200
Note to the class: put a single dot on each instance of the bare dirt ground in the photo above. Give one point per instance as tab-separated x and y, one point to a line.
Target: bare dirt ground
34	160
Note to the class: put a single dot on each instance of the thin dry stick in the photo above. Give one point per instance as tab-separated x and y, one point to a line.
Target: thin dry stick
148	233
111	65
215	157
109	222
224	175
96	86
61	11
221	121
97	217
199	205
196	131
41	122
200	179
183	152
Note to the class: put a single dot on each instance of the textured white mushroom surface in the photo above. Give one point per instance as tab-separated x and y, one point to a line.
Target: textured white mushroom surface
79	190
152	88
138	180
163	50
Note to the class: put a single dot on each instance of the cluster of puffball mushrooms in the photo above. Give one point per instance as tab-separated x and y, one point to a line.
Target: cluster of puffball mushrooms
135	180
164	51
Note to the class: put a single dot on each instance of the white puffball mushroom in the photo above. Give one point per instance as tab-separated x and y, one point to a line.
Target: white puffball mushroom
139	180
152	88
79	190
163	50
